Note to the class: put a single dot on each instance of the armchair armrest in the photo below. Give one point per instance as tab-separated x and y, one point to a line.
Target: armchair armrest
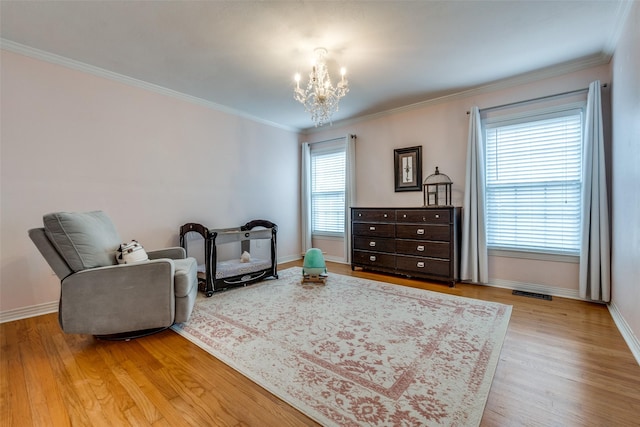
126	297
172	253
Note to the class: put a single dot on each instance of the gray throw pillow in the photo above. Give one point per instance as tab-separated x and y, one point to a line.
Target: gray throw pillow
84	239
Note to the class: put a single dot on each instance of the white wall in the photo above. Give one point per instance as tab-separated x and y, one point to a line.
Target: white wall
626	175
73	141
441	127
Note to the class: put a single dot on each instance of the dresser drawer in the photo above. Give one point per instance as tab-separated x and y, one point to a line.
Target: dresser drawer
423	232
429	216
373	215
376	244
374	259
422	248
436	267
373	229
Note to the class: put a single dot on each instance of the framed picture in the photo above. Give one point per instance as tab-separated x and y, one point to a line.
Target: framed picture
407	168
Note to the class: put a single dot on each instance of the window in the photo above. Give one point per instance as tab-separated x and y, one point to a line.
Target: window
328	190
533	182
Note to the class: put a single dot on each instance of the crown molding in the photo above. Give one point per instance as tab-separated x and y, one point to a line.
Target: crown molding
622	13
521	79
130	81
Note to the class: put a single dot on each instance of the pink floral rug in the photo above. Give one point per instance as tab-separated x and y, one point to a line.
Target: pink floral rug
357	352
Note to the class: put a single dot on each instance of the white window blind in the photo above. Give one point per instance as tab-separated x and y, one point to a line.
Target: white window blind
328	191
533	182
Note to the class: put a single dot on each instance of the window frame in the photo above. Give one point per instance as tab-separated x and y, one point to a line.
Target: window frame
493	119
319	149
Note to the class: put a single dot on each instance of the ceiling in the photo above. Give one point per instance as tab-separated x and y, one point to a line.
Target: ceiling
242	55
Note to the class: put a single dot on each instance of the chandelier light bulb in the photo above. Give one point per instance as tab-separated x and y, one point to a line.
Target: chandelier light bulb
320	97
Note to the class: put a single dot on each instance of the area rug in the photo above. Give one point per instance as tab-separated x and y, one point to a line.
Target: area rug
357	352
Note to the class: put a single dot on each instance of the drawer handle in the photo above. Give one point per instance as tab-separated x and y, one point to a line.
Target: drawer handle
372	244
359	214
372	258
404	216
420	264
437	216
385	215
420	248
420	231
372	228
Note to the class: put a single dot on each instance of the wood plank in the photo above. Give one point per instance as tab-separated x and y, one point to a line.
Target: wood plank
44	393
143	411
81	403
15	407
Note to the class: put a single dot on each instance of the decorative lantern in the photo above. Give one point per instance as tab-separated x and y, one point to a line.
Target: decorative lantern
436	190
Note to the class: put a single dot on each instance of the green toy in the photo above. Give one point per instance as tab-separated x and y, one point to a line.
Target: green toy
314	268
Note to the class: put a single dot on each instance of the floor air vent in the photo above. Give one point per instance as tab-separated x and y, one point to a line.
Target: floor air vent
533	295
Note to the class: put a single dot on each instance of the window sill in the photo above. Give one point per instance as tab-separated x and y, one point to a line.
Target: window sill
327	236
540	256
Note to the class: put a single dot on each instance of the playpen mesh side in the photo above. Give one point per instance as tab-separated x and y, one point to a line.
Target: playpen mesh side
195	247
228	255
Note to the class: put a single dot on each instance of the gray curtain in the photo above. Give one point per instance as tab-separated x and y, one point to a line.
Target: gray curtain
349	193
595	260
305	197
474	260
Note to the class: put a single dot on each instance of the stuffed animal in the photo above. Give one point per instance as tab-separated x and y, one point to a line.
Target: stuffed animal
245	257
129	253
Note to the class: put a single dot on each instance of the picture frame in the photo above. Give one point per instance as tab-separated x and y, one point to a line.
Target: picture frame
407	168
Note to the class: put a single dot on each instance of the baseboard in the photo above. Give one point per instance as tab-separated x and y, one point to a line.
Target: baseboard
289	258
26	312
336	260
625	330
538	289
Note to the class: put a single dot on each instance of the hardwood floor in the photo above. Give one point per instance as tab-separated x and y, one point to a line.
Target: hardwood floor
563	363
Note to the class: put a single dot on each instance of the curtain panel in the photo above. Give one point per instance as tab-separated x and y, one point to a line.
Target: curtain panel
474	266
305	197
595	259
350	194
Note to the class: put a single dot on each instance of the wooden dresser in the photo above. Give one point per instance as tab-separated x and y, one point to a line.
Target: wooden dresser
413	242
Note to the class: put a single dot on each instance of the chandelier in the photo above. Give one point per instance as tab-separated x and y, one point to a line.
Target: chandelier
320	98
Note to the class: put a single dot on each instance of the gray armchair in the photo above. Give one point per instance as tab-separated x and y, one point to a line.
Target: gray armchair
106	299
